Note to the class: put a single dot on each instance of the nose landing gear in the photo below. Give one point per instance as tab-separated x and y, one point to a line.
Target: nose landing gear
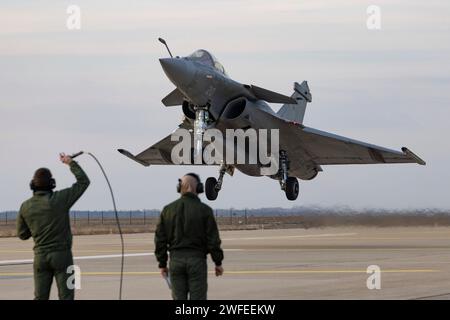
200	125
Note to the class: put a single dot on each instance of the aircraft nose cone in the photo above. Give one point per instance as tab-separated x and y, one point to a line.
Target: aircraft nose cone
179	71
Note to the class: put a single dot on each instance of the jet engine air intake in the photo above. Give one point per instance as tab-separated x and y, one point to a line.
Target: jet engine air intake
188	111
235	108
238	113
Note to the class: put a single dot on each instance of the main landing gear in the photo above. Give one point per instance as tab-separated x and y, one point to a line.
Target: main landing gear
213	185
288	184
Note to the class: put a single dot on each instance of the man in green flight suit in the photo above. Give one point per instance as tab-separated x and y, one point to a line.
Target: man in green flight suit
45	217
188	230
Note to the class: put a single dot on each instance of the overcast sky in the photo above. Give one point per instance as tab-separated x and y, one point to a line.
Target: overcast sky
100	88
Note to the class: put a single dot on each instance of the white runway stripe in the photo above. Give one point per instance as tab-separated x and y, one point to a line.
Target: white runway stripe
11	262
105	256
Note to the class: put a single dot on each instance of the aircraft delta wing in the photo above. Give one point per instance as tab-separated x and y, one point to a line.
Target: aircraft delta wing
160	152
311	148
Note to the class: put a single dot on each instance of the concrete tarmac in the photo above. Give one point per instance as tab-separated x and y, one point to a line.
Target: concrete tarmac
328	263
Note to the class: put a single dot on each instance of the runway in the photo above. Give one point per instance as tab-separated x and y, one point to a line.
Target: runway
328	263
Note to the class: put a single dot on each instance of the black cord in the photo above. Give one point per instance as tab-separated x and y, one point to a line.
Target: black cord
117	222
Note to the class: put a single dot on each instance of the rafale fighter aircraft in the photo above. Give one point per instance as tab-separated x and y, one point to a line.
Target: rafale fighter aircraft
211	99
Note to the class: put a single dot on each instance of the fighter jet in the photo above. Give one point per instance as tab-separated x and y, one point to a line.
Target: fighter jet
209	98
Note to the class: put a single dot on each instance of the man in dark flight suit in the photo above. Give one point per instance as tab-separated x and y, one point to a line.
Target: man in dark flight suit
188	230
45	217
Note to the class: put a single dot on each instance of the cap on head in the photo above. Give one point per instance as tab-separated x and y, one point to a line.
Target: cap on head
42	180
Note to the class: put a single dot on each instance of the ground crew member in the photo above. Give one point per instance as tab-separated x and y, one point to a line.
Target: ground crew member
188	230
45	217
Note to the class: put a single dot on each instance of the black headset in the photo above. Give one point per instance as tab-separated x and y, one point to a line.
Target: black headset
200	188
51	186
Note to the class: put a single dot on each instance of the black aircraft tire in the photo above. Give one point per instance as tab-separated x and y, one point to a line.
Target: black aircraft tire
292	188
210	188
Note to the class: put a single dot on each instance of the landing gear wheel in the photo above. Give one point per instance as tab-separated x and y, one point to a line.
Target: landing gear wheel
292	188
210	188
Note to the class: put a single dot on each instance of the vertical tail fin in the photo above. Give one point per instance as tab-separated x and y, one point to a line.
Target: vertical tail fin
296	112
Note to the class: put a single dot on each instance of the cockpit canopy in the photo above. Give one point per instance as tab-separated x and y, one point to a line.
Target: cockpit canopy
206	58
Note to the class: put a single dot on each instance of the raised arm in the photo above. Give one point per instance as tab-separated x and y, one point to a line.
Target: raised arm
70	195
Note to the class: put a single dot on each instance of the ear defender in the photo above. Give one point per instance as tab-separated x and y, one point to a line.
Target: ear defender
42	180
200	188
51	186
